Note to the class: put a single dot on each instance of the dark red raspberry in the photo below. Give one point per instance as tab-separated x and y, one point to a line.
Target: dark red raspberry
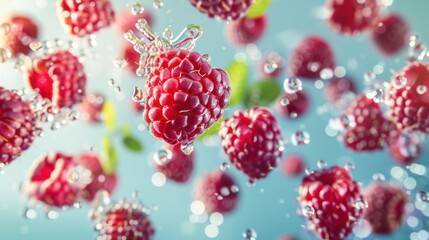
409	98
252	141
17	126
49	180
352	16
337	87
218	191
293	165
59	77
266	65
99	180
91	107
185	96
404	148
226	10
131	56
332	202
81	18
22	31
180	166
386	207
136	107
292	105
371	131
310	57
246	30
125	20
390	34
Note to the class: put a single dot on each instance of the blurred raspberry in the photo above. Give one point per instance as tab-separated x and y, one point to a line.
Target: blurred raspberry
180	166
246	30
22	31
293	165
136	107
272	65
131	56
287	237
337	87
125	20
390	34
91	107
404	148
292	105
223	9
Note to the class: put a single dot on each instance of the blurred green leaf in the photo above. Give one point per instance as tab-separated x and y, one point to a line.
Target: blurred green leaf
262	93
126	130
238	74
132	143
109	156
213	130
109	113
258	8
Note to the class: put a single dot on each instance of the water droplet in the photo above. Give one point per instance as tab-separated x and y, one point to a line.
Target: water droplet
73	116
77	205
111	82
168	33
308	211
251	182
187	149
206	58
421	89
423	196
343	122
163	156
321	164
300	138
137	9
138	94
270	66
292	85
120	62
378	177
118	89
326	74
250	234
284	102
36	46
30	213
5	55
369	77
235	189
158	4
52	214
79	176
308	171
360	204
4	29
349	166
399	82
224	166
2	166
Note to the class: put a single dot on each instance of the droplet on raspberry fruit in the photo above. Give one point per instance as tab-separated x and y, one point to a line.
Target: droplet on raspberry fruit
292	105
246	30
272	65
22	30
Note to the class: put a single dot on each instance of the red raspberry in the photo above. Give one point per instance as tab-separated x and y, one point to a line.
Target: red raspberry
252	141
332	201
136	106
267	62
49	180
218	191
310	57
293	165
226	10
292	105
403	148
287	237
59	77
81	18
180	166
92	106
386	207
409	101
131	56
337	87
351	16
371	131
390	34
127	21
17	126
99	180
23	30
185	96
246	30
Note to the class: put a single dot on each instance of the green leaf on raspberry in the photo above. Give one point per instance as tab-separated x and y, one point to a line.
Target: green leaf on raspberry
262	93
109	156
213	130
238	74
132	143
258	8
109	113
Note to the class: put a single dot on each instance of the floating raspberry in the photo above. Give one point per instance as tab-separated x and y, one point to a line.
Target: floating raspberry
337	87
136	106
58	77
287	237
22	31
272	65
292	105
246	30
223	9
310	57
386	207
331	200
293	165
131	56
404	148
91	107
218	191
126	20
390	34
252	141
180	166
185	96
81	18
351	16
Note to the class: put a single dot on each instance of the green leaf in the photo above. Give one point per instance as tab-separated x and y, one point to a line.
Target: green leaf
258	8
213	130
262	93
132	143
109	156
109	113
238	74
126	130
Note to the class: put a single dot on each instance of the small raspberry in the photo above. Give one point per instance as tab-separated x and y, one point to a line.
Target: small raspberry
218	191
136	107
22	31
390	34
287	237
17	126
386	207
292	105
91	107
223	9
337	87
272	65
131	56
246	30
310	57
81	18
252	141
125	20
293	165
59	77
351	16
185	96
404	148
180	166
331	200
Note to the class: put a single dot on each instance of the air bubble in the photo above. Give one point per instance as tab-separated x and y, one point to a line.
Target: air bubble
137	9
52	214
138	94
423	196
30	214
187	149
378	177
168	33
5	55
4	29
120	62
349	166
399	82
421	89
250	234
270	66
300	138
111	82
206	58
224	166
163	156
158	4
321	164
284	102
36	46
326	74
292	85
360	204
308	211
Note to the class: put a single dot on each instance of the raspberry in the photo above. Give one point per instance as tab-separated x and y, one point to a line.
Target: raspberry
59	77
337	87
222	9
185	96
131	56
252	141
49	181
287	237
100	180
246	30
266	68
310	57
292	105
409	99
332	201
371	131
23	30
180	166
293	165
17	126
92	106
386	207
390	34
136	107
218	191
81	18
403	148
351	16
127	21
